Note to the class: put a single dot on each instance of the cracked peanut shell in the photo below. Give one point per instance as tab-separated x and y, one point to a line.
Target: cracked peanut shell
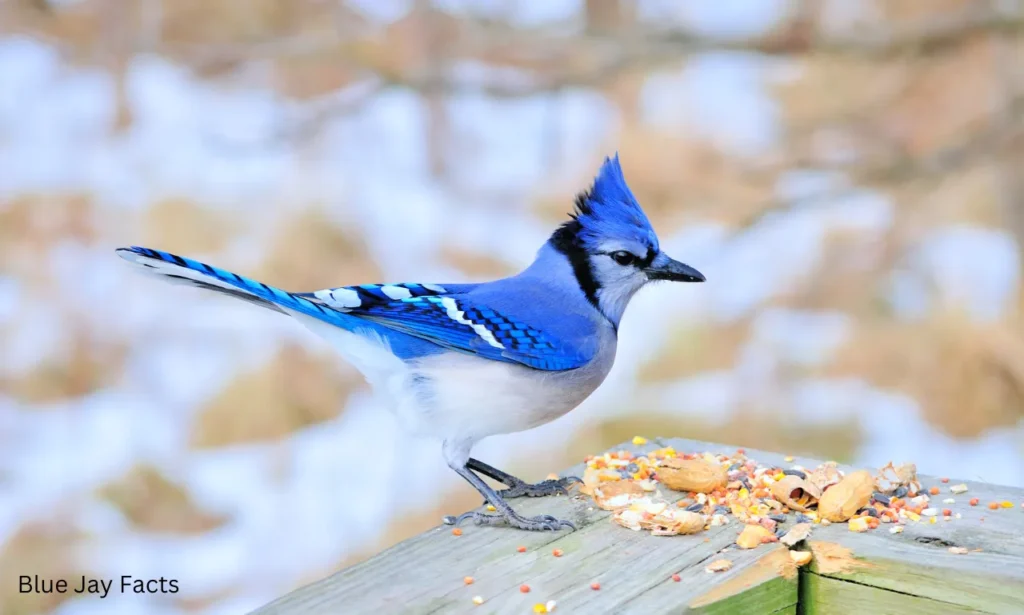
697	475
845	498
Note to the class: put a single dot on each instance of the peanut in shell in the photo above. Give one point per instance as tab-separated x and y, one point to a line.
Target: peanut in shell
842	501
697	475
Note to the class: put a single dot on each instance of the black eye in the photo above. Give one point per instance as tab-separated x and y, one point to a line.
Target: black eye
623	258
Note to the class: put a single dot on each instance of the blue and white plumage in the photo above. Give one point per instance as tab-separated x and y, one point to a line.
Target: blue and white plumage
461	362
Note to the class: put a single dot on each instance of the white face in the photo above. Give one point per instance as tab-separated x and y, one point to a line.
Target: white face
617	268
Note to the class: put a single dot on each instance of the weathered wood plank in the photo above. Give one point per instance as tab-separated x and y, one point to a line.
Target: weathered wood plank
761	581
823	596
425	574
979	581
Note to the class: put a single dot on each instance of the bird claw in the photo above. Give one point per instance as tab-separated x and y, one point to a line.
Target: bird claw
535	524
541	523
559	486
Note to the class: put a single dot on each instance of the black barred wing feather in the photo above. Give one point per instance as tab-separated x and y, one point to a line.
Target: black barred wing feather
460	324
347	298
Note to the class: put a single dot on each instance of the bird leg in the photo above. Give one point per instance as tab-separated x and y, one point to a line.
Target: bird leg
505	514
517	487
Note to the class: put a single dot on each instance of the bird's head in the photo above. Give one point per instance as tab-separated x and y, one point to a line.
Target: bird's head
612	247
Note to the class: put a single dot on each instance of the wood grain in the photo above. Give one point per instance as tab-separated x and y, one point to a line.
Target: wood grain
912	572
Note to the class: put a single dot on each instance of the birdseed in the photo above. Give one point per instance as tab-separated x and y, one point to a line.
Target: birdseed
737	487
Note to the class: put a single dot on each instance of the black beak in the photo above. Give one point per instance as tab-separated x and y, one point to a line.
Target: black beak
665	268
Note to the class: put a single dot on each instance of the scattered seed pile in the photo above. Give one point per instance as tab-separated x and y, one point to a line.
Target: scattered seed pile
721	488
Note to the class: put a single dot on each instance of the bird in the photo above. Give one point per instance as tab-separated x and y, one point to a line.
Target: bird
460	362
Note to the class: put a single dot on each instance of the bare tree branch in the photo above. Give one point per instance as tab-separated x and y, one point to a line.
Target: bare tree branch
797	36
979	146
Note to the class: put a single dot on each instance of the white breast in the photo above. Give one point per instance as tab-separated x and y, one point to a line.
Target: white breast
454	395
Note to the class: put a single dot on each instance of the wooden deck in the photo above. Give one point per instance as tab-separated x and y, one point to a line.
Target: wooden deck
872	572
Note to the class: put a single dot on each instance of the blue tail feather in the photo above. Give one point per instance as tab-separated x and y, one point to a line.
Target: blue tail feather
257	292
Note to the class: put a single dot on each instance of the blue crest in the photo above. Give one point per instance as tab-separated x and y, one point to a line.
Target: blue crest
609	209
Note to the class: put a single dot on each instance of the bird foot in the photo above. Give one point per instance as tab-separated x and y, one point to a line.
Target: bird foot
558	486
539	523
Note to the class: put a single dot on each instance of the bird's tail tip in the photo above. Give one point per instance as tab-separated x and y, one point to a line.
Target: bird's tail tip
180	270
127	252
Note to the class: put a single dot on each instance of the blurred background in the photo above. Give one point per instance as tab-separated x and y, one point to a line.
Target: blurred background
848	173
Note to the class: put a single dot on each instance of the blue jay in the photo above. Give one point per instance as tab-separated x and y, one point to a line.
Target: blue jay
461	362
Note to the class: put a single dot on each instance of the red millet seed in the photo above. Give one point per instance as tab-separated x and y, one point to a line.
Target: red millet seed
524	589
676	578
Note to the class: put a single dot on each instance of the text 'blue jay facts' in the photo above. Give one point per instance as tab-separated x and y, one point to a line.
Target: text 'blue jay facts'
461	362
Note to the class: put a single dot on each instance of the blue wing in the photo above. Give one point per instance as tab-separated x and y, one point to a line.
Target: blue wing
429	314
461	323
345	298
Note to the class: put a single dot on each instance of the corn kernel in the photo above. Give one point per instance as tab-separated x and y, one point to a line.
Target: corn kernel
1007	504
540	608
637	441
